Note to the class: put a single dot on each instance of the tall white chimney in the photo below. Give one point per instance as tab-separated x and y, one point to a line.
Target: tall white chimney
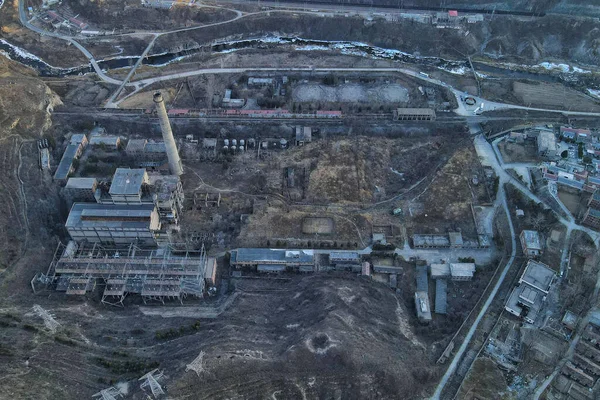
174	161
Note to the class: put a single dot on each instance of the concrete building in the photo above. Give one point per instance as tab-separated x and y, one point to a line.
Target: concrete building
546	144
531	243
462	271
167	193
136	186
109	142
455	271
74	149
114	223
414	114
595	200
345	260
273	260
527	299
81	189
147	154
422	306
303	135
591	218
126	186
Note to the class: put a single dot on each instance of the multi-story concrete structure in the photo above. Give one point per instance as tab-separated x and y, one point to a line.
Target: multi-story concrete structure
591	218
81	189
527	299
146	153
595	200
127	185
343	260
108	141
114	223
531	243
167	194
455	271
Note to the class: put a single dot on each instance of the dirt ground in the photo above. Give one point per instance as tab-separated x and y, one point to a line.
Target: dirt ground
558	96
485	381
515	152
446	201
392	93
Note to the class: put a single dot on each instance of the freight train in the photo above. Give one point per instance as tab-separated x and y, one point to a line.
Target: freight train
258	114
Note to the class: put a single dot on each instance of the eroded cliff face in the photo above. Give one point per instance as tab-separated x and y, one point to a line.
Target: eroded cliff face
25	106
25	101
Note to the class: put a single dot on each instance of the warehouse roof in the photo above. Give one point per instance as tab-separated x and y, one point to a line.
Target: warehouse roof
440	270
93	215
66	162
344	256
107	140
462	269
127	181
260	256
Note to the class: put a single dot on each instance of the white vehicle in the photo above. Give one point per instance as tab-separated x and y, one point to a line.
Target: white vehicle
423	74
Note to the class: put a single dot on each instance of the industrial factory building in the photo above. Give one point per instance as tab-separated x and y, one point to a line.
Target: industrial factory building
273	260
158	274
81	189
74	149
114	223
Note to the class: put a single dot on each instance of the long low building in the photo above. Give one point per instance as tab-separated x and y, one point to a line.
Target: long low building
113	223
414	114
273	260
455	271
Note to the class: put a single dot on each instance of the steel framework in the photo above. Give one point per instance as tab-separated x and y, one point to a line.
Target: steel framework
155	274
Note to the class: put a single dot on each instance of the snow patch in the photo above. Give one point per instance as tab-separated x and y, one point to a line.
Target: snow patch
594	92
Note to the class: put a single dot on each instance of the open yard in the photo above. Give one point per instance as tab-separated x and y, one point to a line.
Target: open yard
553	95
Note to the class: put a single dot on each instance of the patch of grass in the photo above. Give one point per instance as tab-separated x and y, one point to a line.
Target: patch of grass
128	366
175	333
30	328
64	340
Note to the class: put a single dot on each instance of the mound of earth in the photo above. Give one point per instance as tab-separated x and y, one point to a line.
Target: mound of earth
311	337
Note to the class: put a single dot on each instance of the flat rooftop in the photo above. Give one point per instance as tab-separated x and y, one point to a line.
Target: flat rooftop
64	167
261	256
127	181
532	239
538	275
81	183
94	215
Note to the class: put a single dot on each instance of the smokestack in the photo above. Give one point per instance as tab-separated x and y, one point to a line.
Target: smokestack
174	161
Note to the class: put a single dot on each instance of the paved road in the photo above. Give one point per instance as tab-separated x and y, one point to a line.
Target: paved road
500	200
86	53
